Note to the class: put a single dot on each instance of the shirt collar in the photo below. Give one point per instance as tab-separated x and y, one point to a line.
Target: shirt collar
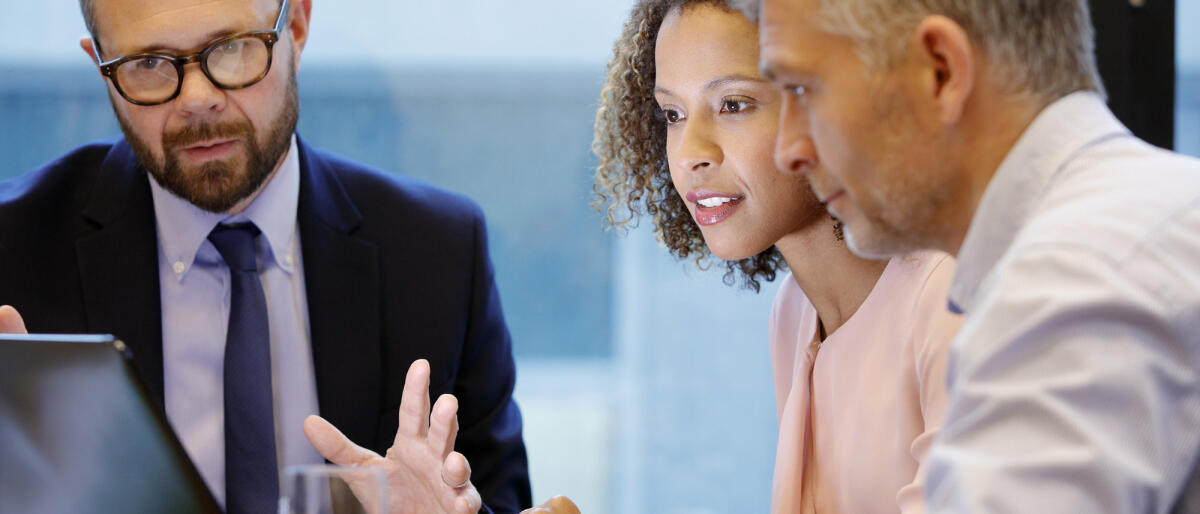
1060	131
183	228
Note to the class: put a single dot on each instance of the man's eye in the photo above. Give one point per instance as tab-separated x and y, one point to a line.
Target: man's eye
797	90
230	47
149	64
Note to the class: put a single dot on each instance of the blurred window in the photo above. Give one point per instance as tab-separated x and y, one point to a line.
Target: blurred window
1187	92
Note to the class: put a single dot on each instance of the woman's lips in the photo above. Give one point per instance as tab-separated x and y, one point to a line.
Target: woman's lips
719	206
707	216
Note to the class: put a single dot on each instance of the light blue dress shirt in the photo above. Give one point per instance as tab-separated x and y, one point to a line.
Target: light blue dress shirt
1074	384
195	290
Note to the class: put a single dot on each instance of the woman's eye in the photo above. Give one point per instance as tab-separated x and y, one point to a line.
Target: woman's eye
671	115
733	106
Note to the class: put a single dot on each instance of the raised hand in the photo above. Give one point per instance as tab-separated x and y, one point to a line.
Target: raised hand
424	474
10	321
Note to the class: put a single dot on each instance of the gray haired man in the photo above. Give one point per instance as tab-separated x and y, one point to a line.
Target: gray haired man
979	127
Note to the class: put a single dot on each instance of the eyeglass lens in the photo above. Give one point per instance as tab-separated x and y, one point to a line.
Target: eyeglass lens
231	64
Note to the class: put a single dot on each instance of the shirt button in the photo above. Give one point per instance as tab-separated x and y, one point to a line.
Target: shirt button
288	259
178	267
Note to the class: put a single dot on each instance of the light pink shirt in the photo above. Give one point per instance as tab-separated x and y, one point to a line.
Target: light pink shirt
858	412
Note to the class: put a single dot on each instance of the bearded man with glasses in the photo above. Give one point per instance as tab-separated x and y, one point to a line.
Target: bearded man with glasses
258	280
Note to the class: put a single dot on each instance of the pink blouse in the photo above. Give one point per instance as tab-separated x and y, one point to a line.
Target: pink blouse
858	412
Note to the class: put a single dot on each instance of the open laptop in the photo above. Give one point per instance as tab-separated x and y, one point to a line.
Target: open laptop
80	433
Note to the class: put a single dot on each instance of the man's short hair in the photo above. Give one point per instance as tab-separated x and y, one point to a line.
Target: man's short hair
88	9
749	8
1041	48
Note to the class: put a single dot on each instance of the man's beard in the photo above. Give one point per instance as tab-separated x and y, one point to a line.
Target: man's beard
218	186
907	211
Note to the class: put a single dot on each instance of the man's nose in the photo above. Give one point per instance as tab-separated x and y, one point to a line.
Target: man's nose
795	152
198	94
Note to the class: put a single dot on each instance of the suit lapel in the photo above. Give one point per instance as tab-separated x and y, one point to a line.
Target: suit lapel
341	274
118	263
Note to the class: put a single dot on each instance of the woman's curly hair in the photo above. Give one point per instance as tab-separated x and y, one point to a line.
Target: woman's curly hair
632	175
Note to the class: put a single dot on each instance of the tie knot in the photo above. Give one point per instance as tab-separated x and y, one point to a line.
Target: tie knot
235	243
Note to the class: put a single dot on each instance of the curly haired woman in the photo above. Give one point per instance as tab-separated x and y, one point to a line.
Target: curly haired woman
685	135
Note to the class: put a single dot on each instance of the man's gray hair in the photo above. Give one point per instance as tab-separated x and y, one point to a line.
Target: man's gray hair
1042	49
749	8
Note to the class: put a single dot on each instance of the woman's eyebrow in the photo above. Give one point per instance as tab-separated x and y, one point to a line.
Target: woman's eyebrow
726	80
717	83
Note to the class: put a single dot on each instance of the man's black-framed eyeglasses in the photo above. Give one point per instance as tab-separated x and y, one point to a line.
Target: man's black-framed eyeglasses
232	62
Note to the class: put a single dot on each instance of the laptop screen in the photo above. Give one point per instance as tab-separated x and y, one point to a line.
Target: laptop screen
79	433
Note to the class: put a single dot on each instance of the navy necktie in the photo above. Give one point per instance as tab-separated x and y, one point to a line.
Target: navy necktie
251	473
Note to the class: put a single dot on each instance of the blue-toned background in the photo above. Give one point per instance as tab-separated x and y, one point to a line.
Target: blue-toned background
644	382
514	139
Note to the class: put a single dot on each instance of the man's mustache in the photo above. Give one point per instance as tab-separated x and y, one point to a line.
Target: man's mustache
193	134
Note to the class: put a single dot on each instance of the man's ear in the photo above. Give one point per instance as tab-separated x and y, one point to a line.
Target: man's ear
89	48
946	65
301	11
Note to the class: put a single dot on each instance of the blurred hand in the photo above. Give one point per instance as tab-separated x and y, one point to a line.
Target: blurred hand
10	321
424	474
555	505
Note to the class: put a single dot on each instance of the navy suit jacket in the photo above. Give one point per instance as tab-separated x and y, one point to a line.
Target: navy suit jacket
395	270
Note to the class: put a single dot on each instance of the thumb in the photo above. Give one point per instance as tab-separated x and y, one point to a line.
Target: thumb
333	445
10	321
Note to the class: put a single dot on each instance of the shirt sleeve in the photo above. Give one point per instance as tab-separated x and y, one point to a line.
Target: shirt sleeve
934	326
1073	388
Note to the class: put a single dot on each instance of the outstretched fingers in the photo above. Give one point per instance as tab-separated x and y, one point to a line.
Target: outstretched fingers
10	321
456	471
334	446
414	403
443	425
469	502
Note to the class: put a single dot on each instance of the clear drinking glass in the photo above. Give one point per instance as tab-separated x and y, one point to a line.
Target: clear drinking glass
325	489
